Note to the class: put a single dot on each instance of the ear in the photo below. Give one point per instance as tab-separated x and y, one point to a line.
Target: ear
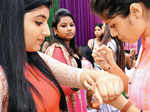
55	31
136	10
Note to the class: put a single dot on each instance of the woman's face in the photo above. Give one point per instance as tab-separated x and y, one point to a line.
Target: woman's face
65	28
98	31
36	28
128	29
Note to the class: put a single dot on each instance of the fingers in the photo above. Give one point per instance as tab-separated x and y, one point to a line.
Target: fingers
90	85
109	87
98	96
103	54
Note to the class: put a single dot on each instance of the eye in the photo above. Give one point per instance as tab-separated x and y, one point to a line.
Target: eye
72	25
38	23
63	25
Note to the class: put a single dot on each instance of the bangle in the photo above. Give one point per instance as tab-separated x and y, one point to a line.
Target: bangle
126	107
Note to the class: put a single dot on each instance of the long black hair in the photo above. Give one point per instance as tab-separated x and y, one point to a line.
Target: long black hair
86	52
55	38
13	56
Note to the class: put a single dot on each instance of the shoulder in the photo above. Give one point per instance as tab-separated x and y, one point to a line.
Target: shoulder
112	44
91	40
54	47
90	43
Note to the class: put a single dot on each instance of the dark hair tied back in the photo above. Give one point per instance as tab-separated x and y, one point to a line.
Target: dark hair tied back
111	8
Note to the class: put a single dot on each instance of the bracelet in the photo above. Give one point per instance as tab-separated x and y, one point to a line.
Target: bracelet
126	107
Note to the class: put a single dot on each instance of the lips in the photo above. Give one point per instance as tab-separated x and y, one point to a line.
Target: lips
70	34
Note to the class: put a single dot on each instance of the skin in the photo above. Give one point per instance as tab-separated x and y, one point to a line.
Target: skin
36	19
65	29
45	46
35	31
132	27
128	29
98	31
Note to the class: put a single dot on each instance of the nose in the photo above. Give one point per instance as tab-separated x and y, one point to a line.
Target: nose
113	32
46	31
69	28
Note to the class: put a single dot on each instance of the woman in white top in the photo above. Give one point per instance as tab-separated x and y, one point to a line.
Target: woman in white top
98	35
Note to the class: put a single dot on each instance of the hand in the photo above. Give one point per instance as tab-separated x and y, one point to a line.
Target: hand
109	86
105	86
88	81
104	57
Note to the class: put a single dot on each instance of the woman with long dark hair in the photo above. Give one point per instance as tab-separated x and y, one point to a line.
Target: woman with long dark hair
28	85
98	36
63	48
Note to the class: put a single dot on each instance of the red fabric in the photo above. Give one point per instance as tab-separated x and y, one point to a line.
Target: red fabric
58	55
50	96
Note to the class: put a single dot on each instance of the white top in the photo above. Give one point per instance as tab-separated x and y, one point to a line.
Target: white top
112	44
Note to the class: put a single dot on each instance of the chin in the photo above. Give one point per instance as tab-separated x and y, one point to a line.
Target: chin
36	49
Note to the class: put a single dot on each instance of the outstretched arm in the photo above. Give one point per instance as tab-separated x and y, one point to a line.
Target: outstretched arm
100	82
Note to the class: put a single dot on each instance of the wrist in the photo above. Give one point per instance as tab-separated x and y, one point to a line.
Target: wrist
126	107
119	102
87	78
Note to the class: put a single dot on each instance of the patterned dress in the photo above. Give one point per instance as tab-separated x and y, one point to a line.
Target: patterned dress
76	100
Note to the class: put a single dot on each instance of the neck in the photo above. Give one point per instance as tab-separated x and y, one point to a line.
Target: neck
98	39
67	44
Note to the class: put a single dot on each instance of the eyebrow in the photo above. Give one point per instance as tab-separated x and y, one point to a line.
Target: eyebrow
41	16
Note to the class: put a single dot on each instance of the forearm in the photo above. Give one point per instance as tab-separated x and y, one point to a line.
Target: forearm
120	104
66	75
117	71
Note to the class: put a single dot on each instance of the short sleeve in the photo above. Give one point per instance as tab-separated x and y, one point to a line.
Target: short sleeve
112	45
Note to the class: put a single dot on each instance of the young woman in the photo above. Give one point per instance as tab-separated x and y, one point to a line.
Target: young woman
129	20
64	50
27	83
98	32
